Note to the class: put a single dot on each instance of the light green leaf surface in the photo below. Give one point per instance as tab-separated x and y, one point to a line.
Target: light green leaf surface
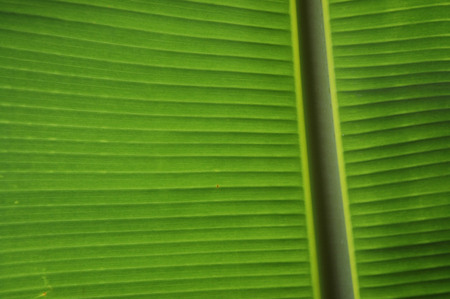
391	86
151	149
157	148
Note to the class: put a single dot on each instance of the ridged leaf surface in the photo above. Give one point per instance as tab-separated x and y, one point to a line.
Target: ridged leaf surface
150	149
392	82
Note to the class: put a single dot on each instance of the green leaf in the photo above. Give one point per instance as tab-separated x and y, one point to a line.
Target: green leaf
158	149
152	149
389	75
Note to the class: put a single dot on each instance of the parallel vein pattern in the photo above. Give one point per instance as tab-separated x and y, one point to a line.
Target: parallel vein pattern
150	149
391	63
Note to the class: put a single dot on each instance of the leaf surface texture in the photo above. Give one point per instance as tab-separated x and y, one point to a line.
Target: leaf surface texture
150	149
391	75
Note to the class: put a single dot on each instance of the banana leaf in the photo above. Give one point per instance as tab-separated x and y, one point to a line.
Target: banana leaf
162	149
